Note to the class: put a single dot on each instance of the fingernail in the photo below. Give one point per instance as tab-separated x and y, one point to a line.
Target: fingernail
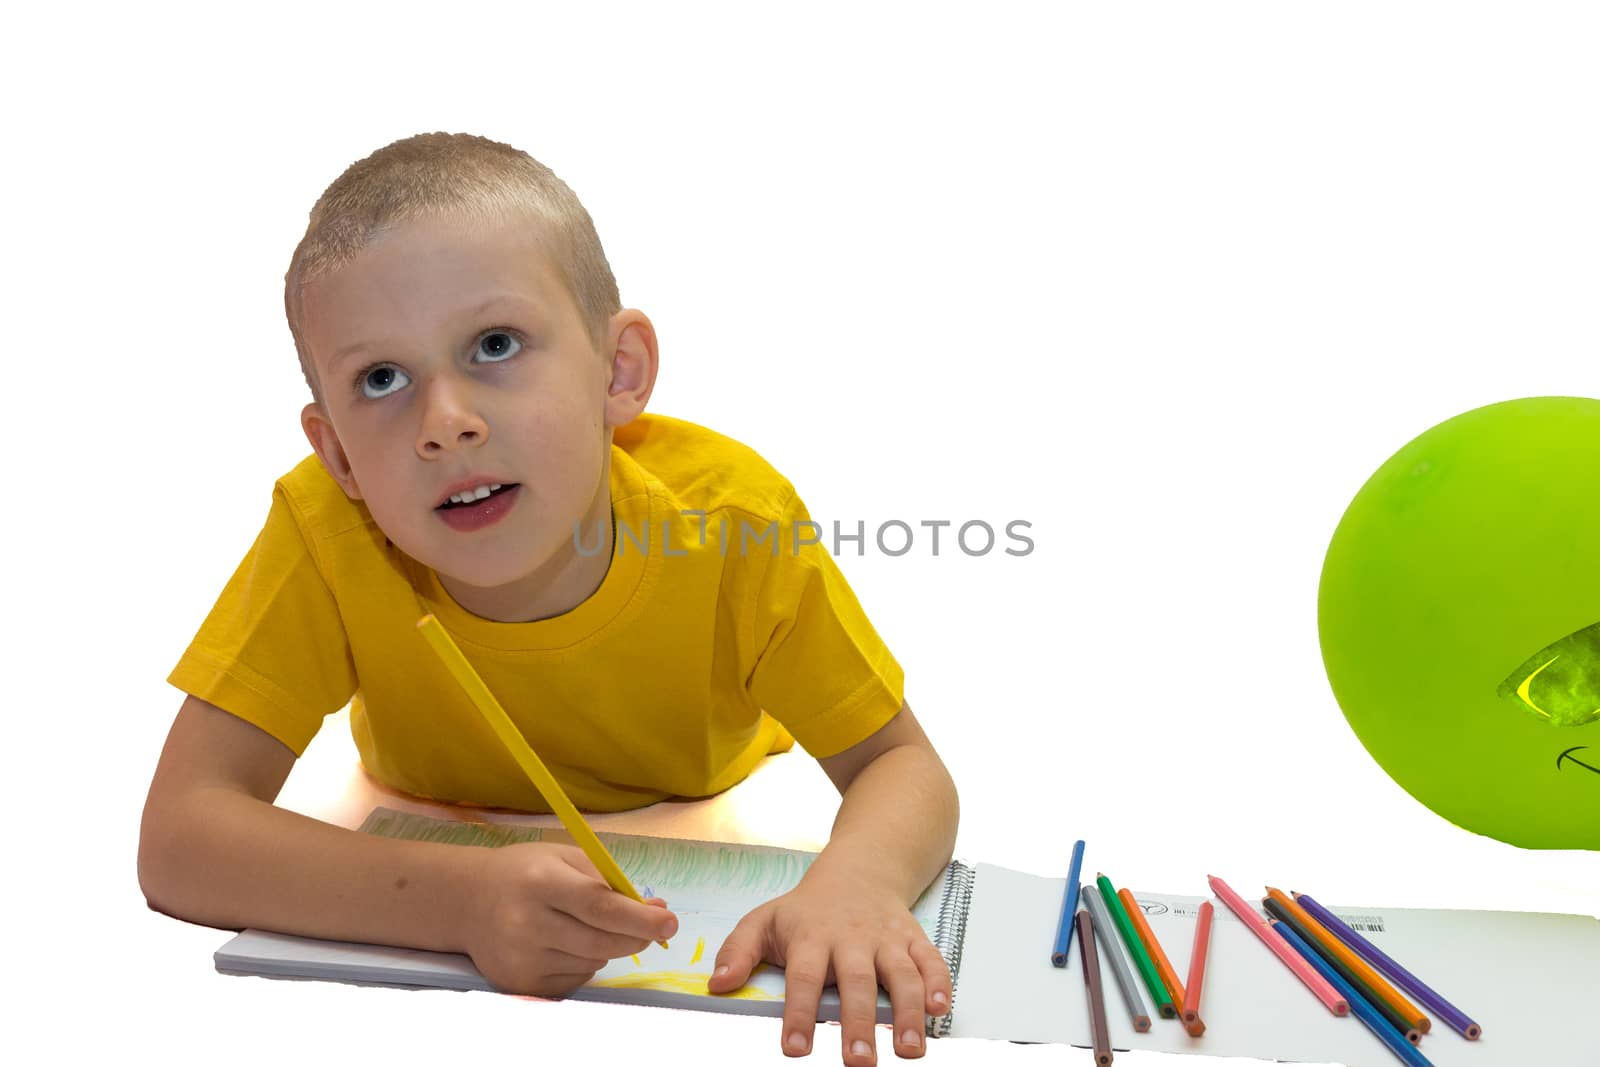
911	1039
671	929
721	971
939	1000
861	1048
797	1042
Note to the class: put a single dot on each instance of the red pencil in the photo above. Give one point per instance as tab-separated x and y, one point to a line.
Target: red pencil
1197	972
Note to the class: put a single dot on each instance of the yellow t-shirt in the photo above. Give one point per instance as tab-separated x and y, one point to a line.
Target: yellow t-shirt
701	652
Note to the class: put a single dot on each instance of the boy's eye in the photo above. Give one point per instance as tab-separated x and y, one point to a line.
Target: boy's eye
378	382
498	345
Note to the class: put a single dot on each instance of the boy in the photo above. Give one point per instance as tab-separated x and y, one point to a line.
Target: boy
645	597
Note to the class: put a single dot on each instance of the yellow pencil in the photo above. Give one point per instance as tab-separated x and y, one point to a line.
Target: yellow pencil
527	758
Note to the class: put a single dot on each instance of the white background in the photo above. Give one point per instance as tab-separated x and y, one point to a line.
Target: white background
1167	281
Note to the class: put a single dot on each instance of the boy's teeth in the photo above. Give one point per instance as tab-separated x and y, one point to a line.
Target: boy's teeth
474	494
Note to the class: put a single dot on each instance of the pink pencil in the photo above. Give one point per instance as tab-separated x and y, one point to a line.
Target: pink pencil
1269	937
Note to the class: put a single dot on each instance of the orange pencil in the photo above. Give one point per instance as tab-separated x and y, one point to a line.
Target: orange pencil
1197	972
1169	977
1391	996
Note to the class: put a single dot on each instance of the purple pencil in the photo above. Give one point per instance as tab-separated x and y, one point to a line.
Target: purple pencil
1376	956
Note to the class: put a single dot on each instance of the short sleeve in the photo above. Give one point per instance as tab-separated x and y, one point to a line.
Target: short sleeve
273	650
821	669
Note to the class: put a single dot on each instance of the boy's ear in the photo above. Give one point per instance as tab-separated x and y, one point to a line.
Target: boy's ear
325	442
631	373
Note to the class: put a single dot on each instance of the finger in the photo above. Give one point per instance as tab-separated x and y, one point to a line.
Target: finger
560	985
567	964
546	973
740	953
599	906
577	938
803	979
936	983
899	974
856	977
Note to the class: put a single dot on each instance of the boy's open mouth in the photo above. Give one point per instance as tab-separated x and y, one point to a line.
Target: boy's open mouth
449	505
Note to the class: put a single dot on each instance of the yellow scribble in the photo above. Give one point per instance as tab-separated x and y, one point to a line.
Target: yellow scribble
699	950
636	962
681	982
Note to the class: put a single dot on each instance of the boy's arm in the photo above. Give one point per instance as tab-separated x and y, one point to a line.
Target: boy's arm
535	918
897	819
214	850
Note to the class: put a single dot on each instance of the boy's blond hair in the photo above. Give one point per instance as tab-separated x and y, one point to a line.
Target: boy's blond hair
445	173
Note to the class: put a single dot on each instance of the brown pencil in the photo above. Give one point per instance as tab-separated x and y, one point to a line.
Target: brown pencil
1169	977
1097	1000
1197	972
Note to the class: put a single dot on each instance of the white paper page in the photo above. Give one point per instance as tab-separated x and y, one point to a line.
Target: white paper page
1527	979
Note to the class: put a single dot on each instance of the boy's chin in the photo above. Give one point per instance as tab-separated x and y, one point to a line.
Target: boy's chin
484	576
472	569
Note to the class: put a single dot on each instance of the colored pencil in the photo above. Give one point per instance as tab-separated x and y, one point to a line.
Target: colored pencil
1097	998
1280	948
1069	908
1445	1010
1197	972
1358	1004
1351	979
1409	1015
1164	969
1119	962
1130	940
526	758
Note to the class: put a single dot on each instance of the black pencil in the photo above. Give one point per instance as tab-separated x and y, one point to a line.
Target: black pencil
1383	1008
1097	999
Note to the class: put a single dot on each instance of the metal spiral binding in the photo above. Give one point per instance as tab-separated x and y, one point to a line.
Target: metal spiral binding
949	934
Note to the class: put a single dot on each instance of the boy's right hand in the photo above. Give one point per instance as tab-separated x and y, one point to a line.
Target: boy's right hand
541	920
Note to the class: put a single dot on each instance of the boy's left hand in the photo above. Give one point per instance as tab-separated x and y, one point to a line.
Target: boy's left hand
851	932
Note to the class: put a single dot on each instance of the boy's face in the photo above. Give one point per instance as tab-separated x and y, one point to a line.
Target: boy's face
450	354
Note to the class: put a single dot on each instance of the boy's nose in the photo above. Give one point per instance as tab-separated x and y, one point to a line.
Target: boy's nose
449	422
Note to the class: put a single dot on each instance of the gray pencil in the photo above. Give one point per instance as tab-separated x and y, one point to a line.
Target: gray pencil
1107	937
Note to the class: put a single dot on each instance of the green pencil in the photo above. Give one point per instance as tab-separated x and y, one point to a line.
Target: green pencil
1141	958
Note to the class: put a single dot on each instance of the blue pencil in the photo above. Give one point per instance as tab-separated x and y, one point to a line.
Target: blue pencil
1360	1007
1069	907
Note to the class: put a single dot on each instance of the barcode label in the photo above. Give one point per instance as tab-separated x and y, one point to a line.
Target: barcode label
1364	924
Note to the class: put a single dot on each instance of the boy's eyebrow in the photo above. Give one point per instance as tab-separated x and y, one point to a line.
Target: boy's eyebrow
360	346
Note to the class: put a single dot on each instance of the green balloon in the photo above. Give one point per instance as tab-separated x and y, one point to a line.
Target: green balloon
1459	618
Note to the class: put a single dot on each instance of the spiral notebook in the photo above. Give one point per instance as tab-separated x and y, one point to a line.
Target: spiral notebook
710	886
1523	976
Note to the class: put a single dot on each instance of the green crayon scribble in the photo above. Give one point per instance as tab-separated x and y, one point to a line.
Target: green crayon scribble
660	863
